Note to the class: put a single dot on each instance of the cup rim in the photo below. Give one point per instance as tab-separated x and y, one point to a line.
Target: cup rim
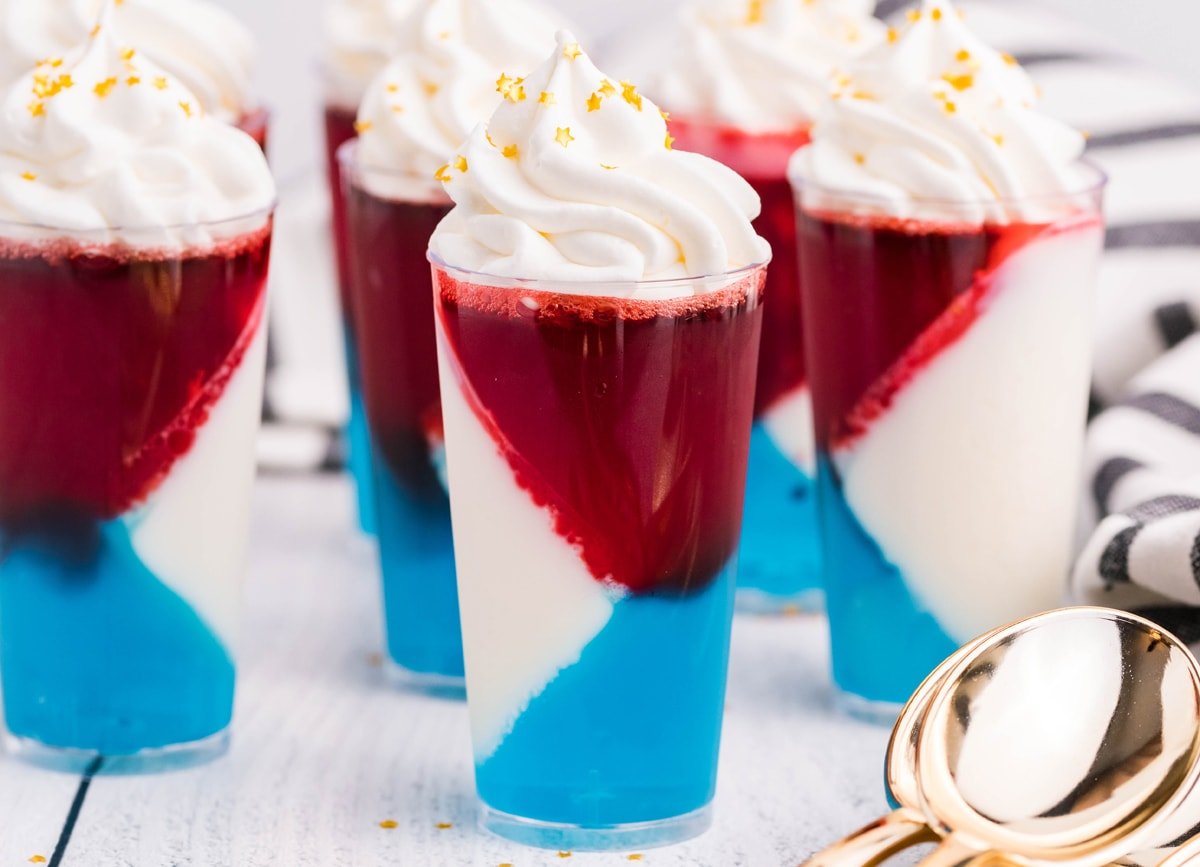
1095	182
351	167
594	287
106	233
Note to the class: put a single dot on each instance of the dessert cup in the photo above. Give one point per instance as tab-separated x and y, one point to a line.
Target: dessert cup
339	129
596	449
256	123
130	396
779	564
949	358
389	218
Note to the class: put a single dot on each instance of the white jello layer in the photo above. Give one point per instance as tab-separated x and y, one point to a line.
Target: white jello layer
529	603
193	532
969	483
789	424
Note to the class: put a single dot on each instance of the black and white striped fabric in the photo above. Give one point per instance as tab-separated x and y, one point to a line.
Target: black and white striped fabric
1142	515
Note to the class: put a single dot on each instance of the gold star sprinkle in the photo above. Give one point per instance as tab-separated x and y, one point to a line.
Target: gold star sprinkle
563	136
444	35
445	826
754	12
547	98
443	174
430	88
503	84
37	109
959	82
607	88
1009	59
161	82
127	54
950	107
56	63
670	142
963	56
510	152
861	159
393	88
572	51
95	31
389	824
610	168
460	163
487	135
133	81
636	856
936	14
361	126
102	89
998	139
28	176
564	854
594	102
186	108
665	115
630	95
398	109
37	859
893	35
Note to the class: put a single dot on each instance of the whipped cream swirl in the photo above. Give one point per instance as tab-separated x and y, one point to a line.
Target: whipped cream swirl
763	66
208	49
934	124
104	139
443	82
574	179
360	39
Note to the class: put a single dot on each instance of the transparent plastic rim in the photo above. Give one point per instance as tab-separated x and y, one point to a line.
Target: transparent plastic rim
655	288
16	230
388	183
1094	182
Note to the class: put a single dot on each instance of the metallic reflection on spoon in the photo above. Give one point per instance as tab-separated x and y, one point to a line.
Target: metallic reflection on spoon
1072	735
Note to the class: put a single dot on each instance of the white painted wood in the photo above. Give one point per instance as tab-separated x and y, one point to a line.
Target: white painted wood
324	751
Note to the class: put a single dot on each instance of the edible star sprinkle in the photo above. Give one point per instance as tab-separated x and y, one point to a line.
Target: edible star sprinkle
572	51
563	136
630	95
460	163
443	174
670	142
103	88
547	98
511	152
594	102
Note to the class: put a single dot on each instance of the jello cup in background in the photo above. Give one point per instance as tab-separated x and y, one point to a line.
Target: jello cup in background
743	88
597	300
132	347
949	242
412	118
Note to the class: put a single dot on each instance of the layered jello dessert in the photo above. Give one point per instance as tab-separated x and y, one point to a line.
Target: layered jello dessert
949	238
134	240
195	42
743	88
597	301
412	120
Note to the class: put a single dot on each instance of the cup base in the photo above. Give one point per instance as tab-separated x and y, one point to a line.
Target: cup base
70	760
759	602
880	713
433	685
612	838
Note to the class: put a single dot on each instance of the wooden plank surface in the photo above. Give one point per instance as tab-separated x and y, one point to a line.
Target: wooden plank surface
324	751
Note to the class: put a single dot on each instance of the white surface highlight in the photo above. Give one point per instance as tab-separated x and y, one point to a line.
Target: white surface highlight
969	483
193	532
529	603
789	424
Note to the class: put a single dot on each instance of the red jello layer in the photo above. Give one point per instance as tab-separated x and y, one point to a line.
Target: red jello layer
339	129
110	362
885	296
762	159
393	316
628	420
256	124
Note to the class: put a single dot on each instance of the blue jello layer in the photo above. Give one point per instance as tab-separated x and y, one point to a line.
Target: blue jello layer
884	641
358	442
98	654
420	592
781	552
630	733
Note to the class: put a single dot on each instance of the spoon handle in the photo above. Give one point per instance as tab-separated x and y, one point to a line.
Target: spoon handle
876	842
1185	854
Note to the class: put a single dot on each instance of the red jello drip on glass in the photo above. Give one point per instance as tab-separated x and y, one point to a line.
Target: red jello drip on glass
762	160
619	417
889	295
393	309
110	361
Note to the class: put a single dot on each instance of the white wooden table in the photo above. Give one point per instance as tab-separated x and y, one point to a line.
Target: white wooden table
324	752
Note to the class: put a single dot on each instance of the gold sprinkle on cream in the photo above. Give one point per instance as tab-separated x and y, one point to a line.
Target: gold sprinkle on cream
998	139
443	174
133	81
630	95
936	14
754	12
393	88
914	15
503	83
665	115
607	87
959	82
28	176
571	51
1009	59
594	102
95	31
127	54
397	109
161	82
102	88
56	63
636	856
460	163
563	136
564	854
963	56
608	167
487	135
861	159
444	35
950	107
186	108
430	88
670	142
511	152
547	98
37	859
361	126
445	826
389	824
893	35
37	109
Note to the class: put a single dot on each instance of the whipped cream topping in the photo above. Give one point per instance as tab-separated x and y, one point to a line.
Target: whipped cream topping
208	49
105	139
763	66
934	124
574	178
443	81
361	37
